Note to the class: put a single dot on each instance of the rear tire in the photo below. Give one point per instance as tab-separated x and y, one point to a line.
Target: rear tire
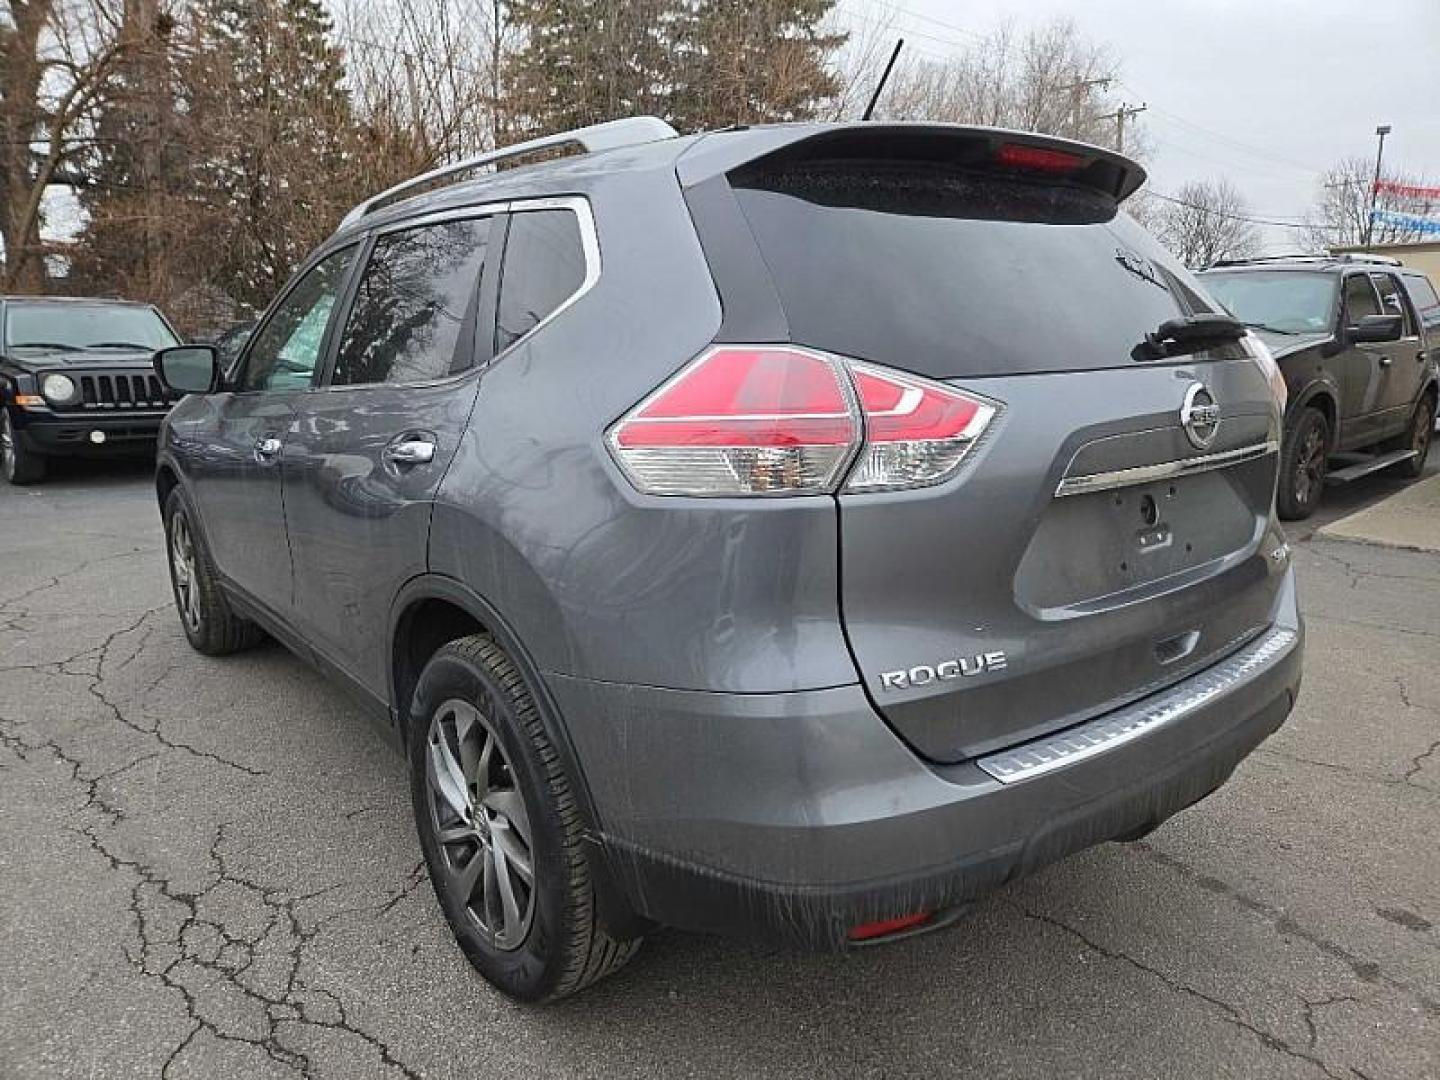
18	462
492	801
210	625
1419	438
1304	453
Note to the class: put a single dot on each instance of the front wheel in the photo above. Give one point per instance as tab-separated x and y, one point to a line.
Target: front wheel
18	462
500	828
1304	453
1418	438
210	625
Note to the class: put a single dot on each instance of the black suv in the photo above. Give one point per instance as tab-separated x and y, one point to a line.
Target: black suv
1357	338
793	531
76	379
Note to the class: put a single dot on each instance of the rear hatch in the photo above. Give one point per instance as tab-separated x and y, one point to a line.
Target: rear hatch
1090	550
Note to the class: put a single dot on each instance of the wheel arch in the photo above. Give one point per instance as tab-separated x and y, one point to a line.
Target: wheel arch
432	610
1318	395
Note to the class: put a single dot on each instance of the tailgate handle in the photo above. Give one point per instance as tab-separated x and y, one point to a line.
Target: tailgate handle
1176	648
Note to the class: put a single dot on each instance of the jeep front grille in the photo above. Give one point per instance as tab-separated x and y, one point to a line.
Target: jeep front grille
123	390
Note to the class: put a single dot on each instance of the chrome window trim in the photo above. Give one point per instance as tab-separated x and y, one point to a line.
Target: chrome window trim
1115	729
1165	470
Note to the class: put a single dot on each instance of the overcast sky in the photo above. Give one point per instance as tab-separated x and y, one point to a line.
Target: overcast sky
1266	92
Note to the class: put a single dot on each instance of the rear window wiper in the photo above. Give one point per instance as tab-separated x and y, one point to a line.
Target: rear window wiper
1190	334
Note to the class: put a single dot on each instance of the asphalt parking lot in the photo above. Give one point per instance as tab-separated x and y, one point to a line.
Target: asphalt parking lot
208	869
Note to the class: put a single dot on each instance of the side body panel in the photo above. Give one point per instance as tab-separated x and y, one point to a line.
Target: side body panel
600	581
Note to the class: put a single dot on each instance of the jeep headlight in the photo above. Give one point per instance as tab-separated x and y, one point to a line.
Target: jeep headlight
58	389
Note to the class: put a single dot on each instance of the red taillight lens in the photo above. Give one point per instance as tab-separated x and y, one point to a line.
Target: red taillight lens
1037	158
780	420
916	431
742	421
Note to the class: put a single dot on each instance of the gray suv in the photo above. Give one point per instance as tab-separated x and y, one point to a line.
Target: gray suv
791	532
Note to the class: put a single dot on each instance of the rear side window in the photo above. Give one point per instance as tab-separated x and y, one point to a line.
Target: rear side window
948	272
1360	298
1392	300
418	293
1427	303
544	267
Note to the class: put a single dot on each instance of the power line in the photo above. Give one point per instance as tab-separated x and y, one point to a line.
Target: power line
1226	213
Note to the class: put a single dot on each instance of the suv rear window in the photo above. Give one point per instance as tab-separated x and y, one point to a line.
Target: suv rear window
948	272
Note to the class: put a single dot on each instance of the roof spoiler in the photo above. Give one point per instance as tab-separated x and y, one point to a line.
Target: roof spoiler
1093	166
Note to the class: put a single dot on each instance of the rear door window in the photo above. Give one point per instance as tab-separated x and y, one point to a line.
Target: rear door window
1392	300
1360	299
414	301
946	272
544	267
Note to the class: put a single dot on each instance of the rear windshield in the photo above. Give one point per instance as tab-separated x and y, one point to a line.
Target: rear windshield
1289	301
956	273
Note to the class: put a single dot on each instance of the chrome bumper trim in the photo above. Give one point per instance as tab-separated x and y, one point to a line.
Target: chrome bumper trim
1118	728
1165	470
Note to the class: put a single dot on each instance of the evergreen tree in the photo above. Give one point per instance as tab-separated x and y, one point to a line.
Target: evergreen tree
586	61
753	62
271	127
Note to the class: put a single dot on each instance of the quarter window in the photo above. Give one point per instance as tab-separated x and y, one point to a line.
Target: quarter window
417	295
287	348
544	267
1427	303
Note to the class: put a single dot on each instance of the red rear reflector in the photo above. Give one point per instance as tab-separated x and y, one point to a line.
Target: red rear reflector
869	930
1018	156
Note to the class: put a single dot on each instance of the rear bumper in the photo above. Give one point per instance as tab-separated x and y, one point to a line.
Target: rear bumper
795	817
57	434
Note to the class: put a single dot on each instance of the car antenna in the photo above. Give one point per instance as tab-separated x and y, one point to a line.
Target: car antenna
875	97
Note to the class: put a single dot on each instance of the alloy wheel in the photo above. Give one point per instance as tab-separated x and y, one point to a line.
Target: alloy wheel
182	567
1310	467
481	824
1424	431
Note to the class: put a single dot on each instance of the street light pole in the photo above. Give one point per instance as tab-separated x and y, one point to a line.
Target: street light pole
1382	131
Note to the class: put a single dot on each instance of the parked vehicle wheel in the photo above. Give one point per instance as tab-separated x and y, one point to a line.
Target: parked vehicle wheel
1304	452
20	464
1419	438
501	830
210	626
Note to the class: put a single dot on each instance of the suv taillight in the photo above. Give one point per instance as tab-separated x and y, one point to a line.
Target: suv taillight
782	420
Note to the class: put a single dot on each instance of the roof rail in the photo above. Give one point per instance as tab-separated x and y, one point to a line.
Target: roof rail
630	131
1296	257
1368	257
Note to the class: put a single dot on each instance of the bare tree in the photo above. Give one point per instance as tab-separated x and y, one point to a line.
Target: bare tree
1341	210
1206	221
1049	79
57	60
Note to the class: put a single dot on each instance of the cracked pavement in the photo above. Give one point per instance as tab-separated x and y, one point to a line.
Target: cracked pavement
209	870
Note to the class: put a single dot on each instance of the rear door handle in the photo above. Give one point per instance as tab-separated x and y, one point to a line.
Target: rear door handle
267	450
410	450
1386	361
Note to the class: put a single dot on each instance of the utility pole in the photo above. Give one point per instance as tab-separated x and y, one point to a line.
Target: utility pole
1077	92
1120	115
1382	131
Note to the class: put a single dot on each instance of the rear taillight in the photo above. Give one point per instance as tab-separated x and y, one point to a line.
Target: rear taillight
781	420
